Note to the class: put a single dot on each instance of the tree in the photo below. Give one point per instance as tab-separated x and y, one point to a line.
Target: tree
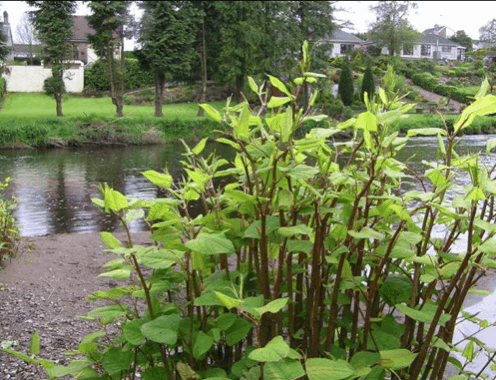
462	39
392	28
53	22
27	34
108	19
4	50
167	37
487	33
345	89
368	84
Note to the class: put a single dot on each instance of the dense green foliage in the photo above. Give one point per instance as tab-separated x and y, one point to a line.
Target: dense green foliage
108	19
392	29
368	83
166	38
52	20
462	39
346	87
53	84
2	89
96	79
9	232
317	260
430	83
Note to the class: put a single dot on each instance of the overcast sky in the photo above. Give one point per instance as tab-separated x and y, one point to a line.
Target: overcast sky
456	15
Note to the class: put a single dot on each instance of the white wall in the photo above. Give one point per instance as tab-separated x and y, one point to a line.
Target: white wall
30	78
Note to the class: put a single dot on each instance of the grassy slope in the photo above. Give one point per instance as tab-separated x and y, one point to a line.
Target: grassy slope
33	106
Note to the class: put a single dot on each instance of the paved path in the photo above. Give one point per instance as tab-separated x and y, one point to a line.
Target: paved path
431	97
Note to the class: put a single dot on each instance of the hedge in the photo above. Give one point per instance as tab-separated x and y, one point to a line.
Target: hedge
429	82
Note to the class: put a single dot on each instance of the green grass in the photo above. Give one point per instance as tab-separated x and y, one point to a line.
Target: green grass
469	90
33	106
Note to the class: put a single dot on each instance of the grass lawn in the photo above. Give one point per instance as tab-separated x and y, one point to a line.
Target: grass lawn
33	106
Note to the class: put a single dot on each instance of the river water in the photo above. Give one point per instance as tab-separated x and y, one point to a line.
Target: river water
55	188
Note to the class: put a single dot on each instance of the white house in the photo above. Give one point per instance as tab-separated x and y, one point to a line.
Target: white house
343	43
433	45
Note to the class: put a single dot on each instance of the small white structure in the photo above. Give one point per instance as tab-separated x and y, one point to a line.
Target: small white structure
31	78
343	43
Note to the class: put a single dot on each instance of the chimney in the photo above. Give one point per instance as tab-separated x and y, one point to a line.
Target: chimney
5	17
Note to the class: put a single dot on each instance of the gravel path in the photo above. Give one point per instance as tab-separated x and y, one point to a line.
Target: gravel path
44	290
431	97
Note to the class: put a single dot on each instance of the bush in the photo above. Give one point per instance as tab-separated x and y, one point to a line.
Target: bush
368	84
303	266
429	83
345	89
9	232
96	78
50	83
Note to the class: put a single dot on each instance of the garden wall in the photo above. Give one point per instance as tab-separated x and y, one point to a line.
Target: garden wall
30	78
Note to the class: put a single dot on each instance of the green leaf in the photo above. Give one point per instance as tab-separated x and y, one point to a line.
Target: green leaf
224	321
253	85
396	359
484	89
469	351
200	146
273	306
75	368
366	233
426	132
238	331
300	229
34	346
482	106
229	142
286	369
110	240
367	121
211	244
118	274
158	179
162	329
326	369
211	112
156	258
425	315
303	172
155	373
113	200
115	359
107	313
276	350
131	331
277	102
314	75
202	344
228	302
365	359
279	85
490	145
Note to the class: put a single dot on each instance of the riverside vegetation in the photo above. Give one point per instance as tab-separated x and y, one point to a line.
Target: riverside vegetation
315	262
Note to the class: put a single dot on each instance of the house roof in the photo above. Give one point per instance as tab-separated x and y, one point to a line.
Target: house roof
434	39
81	28
436	30
340	35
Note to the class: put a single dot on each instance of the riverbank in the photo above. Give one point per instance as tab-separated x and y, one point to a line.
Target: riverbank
43	289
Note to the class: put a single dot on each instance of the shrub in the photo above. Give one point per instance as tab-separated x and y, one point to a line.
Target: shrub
305	265
9	232
368	84
345	89
50	83
429	83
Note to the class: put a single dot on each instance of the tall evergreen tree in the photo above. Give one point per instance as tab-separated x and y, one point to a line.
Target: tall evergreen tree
53	22
108	20
167	38
345	89
368	83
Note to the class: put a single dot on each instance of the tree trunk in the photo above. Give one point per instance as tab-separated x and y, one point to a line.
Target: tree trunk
203	62
239	88
159	93
58	99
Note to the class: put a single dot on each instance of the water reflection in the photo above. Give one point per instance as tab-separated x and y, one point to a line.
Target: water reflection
55	187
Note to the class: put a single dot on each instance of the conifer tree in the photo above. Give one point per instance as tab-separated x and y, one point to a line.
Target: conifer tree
345	89
368	84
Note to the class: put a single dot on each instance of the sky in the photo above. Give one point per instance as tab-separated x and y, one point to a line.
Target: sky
456	15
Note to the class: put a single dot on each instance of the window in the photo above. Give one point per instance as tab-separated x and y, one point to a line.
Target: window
345	49
425	50
408	50
446	49
75	52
